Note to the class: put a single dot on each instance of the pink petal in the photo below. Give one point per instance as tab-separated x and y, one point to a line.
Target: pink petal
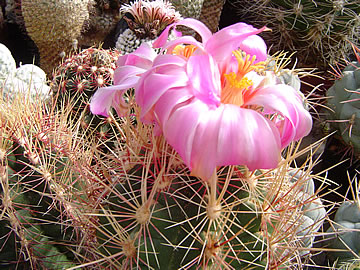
142	57
184	40
228	39
123	73
254	45
257	145
284	99
204	75
196	25
229	135
104	98
152	86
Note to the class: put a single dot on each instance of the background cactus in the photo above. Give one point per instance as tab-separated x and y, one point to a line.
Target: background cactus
7	63
346	225
77	79
318	30
343	100
103	18
146	20
27	78
54	26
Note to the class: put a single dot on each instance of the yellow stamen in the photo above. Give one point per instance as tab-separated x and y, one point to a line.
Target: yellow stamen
184	50
236	84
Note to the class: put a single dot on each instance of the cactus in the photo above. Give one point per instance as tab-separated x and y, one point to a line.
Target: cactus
158	216
188	9
343	100
342	237
77	79
346	224
146	21
54	26
210	14
27	78
41	189
318	30
7	63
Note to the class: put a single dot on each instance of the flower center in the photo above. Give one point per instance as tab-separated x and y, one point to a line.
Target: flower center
237	87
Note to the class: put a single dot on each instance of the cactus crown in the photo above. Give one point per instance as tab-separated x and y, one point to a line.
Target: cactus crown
148	19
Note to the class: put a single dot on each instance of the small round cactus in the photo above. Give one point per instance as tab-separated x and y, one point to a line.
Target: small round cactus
28	79
346	226
7	63
77	79
344	102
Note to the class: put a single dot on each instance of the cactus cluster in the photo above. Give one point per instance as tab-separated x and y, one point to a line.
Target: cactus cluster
318	30
77	79
68	201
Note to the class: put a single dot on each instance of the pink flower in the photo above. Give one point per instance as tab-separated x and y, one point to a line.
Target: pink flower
213	107
211	104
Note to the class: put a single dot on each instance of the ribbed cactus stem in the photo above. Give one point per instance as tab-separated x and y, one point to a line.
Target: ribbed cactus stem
210	13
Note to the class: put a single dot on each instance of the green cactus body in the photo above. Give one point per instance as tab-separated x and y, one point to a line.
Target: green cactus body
318	30
343	99
44	197
346	238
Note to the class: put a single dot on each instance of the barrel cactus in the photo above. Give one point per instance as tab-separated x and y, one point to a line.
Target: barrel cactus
77	79
343	100
40	188
318	30
156	215
138	206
